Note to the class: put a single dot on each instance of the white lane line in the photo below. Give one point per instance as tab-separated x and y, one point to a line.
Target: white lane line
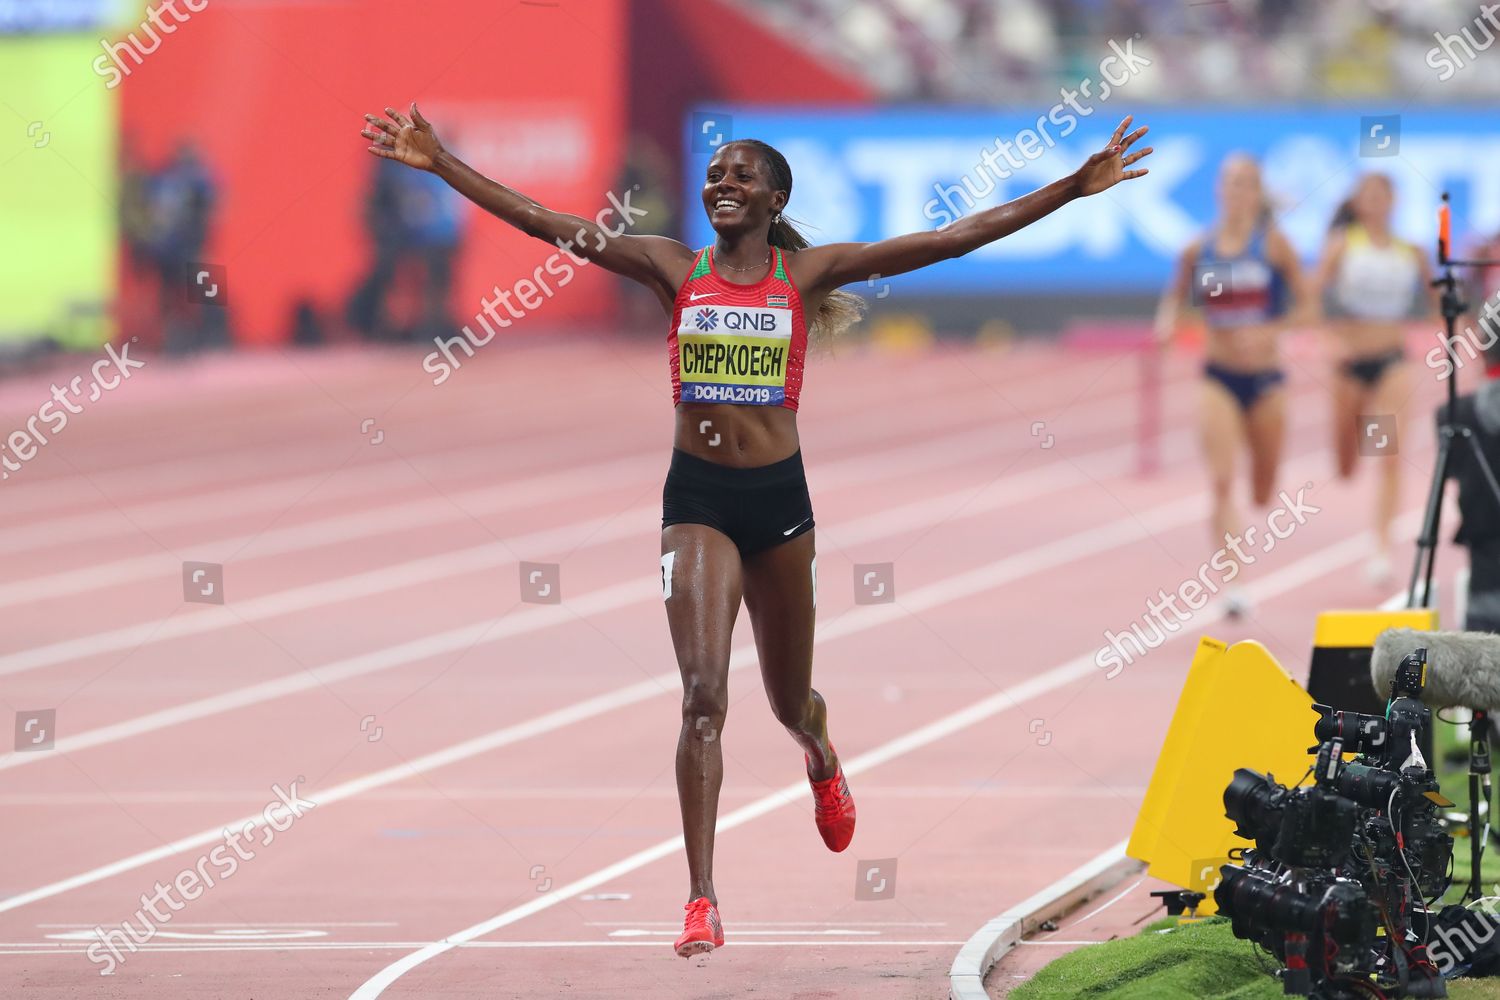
223	499
769	923
1395	602
179	511
998	935
459	505
857	471
310	534
830	932
561	794
1095	912
1273	584
259	924
1084	544
176	471
228	499
241	499
231	499
954	506
43	949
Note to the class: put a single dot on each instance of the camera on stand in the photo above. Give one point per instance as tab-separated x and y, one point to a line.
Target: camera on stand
1338	884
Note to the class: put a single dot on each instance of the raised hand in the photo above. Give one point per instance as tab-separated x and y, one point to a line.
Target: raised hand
410	141
1106	168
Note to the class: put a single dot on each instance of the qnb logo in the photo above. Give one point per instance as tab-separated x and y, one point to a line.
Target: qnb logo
706	319
767	321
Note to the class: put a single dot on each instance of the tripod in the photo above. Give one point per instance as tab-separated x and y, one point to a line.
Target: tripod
1452	432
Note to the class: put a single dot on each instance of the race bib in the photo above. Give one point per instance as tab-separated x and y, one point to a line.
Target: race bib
734	354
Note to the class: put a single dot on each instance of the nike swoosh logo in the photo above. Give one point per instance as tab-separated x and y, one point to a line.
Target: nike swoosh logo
795	526
695	296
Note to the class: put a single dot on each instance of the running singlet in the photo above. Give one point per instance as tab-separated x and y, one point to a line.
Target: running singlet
737	343
1250	292
1377	283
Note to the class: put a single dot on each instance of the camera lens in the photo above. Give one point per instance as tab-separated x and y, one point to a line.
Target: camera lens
1253	803
1359	733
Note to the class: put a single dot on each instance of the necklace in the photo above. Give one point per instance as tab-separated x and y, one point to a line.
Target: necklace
751	267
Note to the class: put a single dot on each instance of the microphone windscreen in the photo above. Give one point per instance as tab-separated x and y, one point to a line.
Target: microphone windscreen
1463	668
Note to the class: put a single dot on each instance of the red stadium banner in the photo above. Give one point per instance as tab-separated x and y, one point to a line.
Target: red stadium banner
271	96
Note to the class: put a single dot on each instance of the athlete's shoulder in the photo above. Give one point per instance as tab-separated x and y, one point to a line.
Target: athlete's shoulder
809	265
693	265
665	250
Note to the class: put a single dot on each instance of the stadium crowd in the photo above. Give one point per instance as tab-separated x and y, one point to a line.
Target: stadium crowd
1009	51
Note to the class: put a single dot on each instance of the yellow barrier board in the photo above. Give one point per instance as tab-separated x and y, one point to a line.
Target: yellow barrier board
1339	674
1344	629
1238	708
1175	753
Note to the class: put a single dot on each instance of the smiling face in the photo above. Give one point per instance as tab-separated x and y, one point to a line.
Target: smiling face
738	194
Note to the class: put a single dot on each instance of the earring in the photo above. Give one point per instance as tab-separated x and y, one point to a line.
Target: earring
776	219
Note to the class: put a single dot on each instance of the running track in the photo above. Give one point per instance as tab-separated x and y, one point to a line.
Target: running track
495	809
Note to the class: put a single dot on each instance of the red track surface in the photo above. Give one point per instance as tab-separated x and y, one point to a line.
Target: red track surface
524	753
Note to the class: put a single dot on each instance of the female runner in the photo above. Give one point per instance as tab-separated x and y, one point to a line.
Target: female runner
1239	275
737	519
1376	280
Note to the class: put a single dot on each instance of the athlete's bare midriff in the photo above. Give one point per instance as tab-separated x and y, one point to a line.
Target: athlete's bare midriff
740	436
1247	349
1363	338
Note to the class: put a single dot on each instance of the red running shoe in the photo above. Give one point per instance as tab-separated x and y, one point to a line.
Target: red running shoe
833	808
701	931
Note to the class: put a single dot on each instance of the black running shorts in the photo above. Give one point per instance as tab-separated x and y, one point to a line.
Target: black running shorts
757	508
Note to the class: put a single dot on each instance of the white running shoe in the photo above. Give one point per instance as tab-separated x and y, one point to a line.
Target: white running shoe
1237	603
1378	570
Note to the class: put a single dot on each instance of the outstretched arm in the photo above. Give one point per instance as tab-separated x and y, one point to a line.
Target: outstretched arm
827	267
654	261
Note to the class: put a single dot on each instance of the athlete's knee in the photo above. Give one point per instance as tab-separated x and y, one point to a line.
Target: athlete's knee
704	706
795	713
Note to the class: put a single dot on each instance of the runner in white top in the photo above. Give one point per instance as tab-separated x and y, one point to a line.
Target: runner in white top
1377	283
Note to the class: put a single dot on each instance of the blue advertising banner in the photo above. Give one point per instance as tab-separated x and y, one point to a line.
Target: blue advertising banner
37	16
870	174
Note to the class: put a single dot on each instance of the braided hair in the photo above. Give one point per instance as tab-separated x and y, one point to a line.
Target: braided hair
841	309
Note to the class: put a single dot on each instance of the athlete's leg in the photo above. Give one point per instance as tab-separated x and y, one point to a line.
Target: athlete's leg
1348	400
779	597
1389	399
1222	434
702	584
1265	427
